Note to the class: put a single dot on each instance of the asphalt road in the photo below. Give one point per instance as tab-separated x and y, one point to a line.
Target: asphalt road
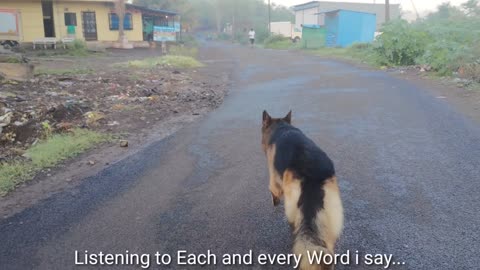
408	165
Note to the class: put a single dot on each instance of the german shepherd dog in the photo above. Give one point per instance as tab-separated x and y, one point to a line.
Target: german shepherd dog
304	176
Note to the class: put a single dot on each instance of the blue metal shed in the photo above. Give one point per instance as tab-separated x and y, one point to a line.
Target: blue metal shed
345	27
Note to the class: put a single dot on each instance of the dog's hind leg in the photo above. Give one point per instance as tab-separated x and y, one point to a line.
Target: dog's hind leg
275	180
292	191
330	218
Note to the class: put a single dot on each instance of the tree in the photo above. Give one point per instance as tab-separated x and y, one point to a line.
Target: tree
120	11
472	8
216	14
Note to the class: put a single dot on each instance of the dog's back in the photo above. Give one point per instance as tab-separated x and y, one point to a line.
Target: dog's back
312	199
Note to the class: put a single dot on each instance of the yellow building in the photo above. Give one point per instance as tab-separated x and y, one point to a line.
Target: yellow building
89	20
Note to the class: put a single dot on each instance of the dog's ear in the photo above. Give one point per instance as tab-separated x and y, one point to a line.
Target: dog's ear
288	118
267	119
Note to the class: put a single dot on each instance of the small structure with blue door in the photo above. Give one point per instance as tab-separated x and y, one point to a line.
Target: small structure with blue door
345	27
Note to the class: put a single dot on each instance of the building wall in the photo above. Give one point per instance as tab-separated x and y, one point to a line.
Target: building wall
102	11
378	9
355	27
306	16
31	18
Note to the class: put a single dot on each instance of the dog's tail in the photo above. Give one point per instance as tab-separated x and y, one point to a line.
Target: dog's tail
312	251
316	223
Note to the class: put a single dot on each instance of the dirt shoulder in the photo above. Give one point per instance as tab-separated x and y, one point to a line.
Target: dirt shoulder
140	105
457	92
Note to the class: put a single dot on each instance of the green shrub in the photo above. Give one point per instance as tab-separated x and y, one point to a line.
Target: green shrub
261	34
76	48
278	42
446	40
444	56
275	38
401	43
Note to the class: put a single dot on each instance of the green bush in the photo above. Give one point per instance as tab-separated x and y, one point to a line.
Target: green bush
446	40
278	42
77	48
401	43
261	34
275	38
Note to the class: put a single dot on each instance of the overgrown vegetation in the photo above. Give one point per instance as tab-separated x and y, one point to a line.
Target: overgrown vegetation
447	42
48	153
78	48
279	42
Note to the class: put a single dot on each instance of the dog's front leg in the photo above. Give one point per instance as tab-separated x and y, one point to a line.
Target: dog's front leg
275	189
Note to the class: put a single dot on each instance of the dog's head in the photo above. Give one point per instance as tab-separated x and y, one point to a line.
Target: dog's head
269	124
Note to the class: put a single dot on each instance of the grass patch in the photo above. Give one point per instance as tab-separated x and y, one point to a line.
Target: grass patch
175	61
280	45
13	60
355	53
46	154
13	174
76	71
77	48
183	51
279	42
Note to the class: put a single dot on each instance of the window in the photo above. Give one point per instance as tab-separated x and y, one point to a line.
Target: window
127	22
70	19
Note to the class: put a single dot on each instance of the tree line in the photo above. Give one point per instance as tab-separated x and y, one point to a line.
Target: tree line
216	15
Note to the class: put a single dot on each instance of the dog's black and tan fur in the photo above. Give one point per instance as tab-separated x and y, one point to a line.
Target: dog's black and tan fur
304	176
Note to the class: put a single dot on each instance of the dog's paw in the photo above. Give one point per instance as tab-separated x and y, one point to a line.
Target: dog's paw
275	200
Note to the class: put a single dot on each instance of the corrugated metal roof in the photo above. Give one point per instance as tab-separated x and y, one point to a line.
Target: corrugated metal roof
337	10
307	5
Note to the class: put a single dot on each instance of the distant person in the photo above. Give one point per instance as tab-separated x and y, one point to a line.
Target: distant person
251	36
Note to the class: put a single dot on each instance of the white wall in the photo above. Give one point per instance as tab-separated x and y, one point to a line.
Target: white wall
306	16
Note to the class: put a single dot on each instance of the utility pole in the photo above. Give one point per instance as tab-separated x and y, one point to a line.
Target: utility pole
387	10
269	19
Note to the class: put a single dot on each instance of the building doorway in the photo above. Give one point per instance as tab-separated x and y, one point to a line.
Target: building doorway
89	26
48	23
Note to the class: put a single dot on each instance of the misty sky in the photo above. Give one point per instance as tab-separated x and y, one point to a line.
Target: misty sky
422	5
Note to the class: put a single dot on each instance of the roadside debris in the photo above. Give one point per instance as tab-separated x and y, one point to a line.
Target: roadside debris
123	143
110	100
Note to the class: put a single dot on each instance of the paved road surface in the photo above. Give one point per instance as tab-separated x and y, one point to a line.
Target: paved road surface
408	166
